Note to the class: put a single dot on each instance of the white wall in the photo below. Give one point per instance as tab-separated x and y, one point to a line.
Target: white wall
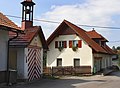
26	72
22	66
37	42
41	60
20	62
106	60
67	54
3	49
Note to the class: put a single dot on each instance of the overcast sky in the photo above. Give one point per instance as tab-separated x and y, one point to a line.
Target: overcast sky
89	12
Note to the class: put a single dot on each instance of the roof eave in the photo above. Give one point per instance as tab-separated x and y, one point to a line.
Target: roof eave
11	29
44	42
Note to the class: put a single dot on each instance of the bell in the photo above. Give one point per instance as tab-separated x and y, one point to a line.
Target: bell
27	11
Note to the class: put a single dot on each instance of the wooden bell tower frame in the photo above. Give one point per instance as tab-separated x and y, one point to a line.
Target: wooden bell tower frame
27	13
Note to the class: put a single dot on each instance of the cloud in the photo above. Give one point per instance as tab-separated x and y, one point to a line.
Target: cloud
92	12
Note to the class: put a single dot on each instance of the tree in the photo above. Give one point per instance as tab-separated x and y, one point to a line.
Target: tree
118	48
118	53
113	48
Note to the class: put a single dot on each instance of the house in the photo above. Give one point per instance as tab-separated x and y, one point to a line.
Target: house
26	51
6	25
70	45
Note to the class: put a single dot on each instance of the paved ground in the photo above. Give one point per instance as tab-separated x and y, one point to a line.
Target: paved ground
98	81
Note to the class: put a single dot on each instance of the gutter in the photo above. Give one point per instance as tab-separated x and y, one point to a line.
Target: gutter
8	73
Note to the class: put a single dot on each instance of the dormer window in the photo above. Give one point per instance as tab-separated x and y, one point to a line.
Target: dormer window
103	43
97	41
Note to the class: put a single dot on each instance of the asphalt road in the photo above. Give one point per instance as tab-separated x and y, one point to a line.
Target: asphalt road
98	81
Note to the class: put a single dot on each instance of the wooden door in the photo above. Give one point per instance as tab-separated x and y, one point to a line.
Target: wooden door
12	59
34	63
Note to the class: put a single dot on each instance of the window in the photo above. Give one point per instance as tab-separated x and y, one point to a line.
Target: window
61	44
59	62
97	41
103	43
75	43
76	62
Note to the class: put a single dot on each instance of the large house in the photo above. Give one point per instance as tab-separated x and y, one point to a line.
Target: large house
70	45
6	25
26	51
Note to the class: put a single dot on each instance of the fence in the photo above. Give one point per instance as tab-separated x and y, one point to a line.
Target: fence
67	70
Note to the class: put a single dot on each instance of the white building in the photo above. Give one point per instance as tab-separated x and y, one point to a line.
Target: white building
70	45
6	25
26	51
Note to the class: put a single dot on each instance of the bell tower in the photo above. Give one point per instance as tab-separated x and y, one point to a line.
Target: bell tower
27	14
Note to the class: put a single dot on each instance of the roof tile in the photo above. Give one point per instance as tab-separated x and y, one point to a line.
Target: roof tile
86	36
93	34
25	39
4	21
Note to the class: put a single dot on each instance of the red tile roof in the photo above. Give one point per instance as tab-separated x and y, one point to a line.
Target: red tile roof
93	34
80	32
4	21
23	40
108	49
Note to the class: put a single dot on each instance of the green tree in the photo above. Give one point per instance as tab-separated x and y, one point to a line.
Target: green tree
118	53
113	48
118	48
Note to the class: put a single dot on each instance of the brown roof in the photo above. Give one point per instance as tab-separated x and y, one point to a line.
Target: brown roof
108	49
4	21
23	40
93	34
80	32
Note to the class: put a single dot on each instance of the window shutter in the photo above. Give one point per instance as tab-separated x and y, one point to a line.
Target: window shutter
79	43
56	44
65	44
70	44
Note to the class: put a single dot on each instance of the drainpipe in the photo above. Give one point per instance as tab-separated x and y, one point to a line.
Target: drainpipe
8	73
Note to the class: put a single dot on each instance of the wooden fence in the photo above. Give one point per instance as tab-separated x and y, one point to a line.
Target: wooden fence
67	70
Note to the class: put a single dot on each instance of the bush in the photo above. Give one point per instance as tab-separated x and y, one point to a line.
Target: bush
115	68
74	48
60	48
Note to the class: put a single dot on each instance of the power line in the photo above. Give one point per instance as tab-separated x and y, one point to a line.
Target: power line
13	16
34	19
48	21
114	41
100	26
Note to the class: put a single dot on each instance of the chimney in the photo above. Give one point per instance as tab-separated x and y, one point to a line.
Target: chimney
27	14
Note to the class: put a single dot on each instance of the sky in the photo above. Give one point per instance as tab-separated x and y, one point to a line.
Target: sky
79	12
